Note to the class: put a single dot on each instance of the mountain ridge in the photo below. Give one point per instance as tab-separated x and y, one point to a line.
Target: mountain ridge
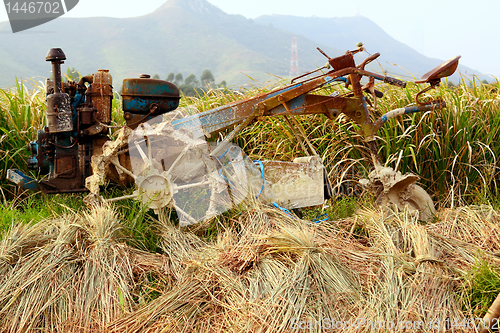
180	36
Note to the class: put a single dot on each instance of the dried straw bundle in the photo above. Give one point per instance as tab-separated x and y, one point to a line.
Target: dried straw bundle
416	284
20	240
267	273
466	231
273	270
275	273
76	275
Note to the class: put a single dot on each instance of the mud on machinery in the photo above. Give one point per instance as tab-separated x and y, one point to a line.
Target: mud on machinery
165	153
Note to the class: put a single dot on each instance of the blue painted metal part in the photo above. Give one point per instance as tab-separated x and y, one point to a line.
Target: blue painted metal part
209	121
22	180
281	91
328	79
79	99
321	218
32	162
284	210
398	112
296	106
262	174
222	117
139	94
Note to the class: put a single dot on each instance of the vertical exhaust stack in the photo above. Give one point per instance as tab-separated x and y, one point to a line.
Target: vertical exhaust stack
59	115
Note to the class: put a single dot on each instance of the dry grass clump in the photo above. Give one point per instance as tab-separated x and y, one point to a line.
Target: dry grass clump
415	282
178	247
272	273
257	279
20	240
475	225
70	274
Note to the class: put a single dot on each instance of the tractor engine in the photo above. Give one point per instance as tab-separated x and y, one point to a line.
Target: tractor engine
78	119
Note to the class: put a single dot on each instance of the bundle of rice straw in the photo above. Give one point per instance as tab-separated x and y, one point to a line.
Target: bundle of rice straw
415	285
70	274
274	270
268	272
274	273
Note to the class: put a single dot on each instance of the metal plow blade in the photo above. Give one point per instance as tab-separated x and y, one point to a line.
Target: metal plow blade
394	189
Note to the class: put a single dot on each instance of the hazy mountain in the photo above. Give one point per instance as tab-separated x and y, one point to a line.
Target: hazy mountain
344	32
184	36
189	36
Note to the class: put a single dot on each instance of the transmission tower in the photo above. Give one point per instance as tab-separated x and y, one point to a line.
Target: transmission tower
294	60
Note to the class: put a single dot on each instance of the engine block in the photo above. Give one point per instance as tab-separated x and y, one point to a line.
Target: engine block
78	118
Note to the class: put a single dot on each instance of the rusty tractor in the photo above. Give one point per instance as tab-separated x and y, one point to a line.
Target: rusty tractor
166	154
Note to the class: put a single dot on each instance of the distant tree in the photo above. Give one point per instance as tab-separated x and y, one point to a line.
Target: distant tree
207	77
178	78
485	81
190	80
156	76
191	86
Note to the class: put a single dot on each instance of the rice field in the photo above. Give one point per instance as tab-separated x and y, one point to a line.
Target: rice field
120	268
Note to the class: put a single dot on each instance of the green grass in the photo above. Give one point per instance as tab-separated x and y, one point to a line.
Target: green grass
455	150
22	113
337	208
481	287
141	227
36	207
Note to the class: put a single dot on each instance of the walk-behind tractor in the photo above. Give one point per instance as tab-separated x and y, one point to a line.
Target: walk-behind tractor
167	155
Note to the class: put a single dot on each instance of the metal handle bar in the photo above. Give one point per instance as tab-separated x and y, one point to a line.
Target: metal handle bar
362	72
368	60
407	110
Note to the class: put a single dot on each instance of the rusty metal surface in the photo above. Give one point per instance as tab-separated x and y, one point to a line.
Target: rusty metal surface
56	57
65	166
102	95
368	60
59	114
344	61
171	162
296	184
271	104
445	69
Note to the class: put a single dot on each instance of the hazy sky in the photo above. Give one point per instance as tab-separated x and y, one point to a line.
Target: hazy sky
436	28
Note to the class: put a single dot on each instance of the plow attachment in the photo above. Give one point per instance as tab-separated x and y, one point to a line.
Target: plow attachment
173	165
392	189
